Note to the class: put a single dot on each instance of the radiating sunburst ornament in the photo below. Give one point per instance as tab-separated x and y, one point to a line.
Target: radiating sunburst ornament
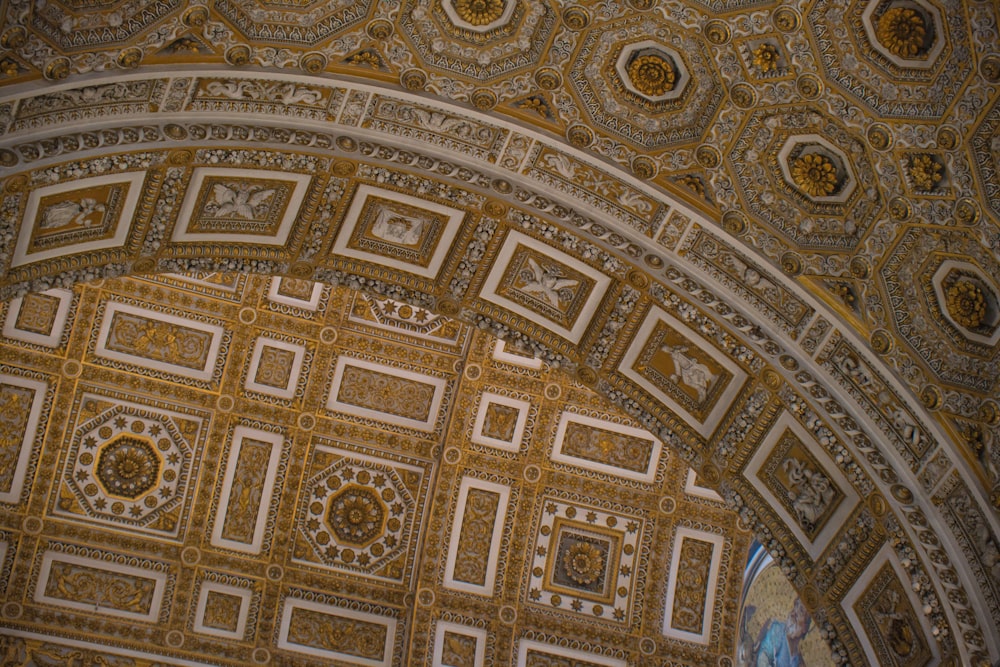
815	175
584	563
924	172
765	58
652	74
479	12
902	30
966	304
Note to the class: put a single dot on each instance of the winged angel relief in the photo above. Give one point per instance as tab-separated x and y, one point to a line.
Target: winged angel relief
238	200
546	284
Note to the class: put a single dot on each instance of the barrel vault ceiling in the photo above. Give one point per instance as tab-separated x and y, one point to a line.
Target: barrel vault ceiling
759	241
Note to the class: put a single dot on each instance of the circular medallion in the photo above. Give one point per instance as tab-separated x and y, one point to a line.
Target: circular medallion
128	467
356	515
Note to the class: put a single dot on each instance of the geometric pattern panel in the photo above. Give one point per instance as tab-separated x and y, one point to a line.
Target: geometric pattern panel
159	341
332	632
359	514
801	484
532	653
94	585
276	367
392	395
500	421
533	279
584	562
78	216
300	294
39	318
457	645
606	447
222	609
682	371
130	466
247	488
474	546
393	229
21	403
241	206
694	574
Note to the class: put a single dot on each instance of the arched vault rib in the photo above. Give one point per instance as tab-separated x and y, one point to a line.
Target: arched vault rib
505	228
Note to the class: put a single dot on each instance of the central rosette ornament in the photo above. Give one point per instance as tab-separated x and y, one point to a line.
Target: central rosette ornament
652	74
356	515
815	174
479	12
584	563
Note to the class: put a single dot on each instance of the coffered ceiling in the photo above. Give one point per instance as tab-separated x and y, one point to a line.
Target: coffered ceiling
765	232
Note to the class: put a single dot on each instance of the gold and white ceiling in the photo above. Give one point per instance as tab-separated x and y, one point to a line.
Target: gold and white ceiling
250	470
768	232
